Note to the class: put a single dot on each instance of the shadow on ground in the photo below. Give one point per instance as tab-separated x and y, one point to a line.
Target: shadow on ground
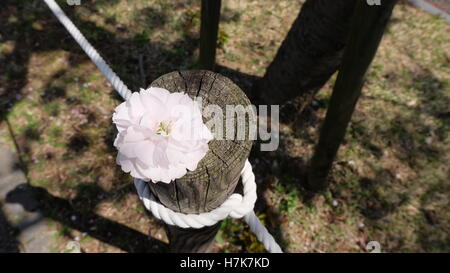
32	28
78	214
19	27
8	240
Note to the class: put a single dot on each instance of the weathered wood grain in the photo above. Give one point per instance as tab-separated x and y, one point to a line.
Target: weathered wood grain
218	173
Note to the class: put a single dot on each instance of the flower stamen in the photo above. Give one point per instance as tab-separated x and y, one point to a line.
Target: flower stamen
163	128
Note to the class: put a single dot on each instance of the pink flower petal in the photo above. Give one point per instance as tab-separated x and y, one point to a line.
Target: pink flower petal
161	135
153	105
135	107
133	135
120	112
160	158
161	93
127	149
145	152
149	121
124	162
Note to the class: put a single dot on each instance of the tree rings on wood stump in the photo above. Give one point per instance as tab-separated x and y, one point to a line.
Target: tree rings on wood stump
217	174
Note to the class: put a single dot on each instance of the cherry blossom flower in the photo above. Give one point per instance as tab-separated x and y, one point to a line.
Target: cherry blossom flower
161	135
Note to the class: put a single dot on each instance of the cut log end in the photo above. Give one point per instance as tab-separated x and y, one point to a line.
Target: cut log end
218	172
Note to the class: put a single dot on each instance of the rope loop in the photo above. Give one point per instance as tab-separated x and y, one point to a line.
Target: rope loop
236	206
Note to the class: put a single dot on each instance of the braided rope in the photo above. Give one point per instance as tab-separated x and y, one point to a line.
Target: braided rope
236	206
113	79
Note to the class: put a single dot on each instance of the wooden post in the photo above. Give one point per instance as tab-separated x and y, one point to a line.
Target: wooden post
209	26
368	25
217	174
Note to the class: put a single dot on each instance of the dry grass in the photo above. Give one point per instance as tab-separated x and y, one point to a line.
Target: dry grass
390	182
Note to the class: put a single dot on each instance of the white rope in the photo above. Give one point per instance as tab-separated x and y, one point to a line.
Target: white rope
236	206
113	79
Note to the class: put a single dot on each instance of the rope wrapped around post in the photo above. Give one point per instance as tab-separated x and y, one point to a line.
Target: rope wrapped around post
236	205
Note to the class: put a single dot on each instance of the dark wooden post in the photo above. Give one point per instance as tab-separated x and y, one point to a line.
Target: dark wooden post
368	25
210	16
217	174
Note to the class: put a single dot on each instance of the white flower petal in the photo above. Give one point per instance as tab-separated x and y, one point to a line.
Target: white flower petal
174	154
149	121
152	104
161	135
127	149
161	93
133	135
145	152
124	162
174	99
160	158
121	112
134	103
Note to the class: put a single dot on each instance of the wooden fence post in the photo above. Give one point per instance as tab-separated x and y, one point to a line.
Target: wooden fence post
209	26
367	28
217	174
